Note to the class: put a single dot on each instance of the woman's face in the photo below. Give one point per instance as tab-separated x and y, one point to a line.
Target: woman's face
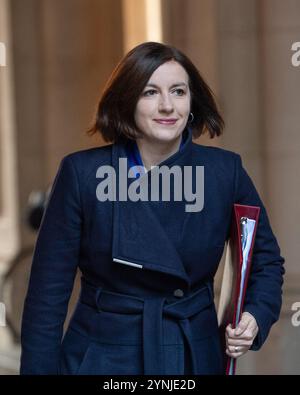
163	108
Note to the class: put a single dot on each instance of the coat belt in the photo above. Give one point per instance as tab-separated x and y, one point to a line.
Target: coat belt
153	310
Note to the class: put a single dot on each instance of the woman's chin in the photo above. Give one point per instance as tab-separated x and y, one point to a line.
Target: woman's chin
167	136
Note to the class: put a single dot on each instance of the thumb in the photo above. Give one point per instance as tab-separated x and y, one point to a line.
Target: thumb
242	326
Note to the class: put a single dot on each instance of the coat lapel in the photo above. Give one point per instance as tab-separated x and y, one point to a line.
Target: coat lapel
139	238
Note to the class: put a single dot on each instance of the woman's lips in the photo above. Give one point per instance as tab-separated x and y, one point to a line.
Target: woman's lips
165	121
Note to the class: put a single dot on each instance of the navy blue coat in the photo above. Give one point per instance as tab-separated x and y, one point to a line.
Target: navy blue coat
146	304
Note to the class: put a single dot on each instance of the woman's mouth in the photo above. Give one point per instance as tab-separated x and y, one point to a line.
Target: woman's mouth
166	121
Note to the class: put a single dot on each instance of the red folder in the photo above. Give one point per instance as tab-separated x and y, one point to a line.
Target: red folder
236	273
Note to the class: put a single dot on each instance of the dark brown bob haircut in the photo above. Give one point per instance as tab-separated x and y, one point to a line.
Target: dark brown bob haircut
115	113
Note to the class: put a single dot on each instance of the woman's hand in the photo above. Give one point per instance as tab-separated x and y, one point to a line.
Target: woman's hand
240	339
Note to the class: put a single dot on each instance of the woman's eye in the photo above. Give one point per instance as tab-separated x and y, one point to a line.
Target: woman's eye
149	92
180	92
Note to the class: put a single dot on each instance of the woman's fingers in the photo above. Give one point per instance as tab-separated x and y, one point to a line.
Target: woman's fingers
240	339
243	325
235	352
247	328
238	342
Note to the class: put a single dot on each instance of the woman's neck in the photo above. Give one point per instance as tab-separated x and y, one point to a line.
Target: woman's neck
154	152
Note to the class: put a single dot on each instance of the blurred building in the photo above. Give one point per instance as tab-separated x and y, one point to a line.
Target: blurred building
59	53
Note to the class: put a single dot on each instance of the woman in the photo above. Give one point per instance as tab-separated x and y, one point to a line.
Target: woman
148	260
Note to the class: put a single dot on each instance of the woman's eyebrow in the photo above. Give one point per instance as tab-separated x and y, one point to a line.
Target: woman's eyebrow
172	86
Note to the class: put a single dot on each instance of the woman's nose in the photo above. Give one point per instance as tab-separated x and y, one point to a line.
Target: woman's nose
166	103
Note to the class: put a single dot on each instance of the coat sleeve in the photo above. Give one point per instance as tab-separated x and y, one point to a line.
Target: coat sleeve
53	271
263	297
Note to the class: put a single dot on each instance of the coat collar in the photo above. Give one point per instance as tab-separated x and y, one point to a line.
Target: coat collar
139	239
133	154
